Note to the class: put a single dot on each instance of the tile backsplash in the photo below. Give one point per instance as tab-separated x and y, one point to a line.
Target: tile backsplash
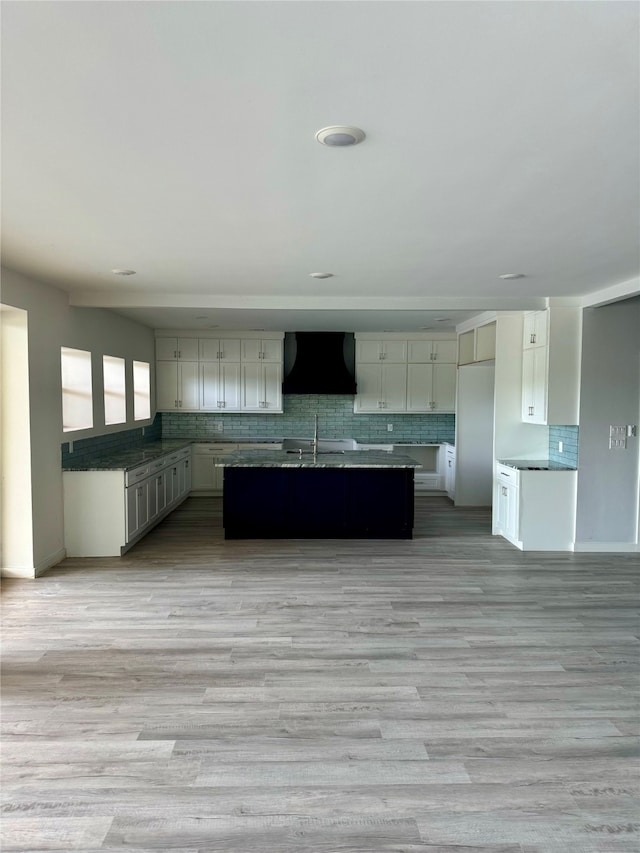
336	419
112	442
568	435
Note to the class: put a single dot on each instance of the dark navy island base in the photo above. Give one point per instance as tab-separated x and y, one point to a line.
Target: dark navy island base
318	503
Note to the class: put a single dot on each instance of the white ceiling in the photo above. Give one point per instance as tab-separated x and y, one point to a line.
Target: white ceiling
177	139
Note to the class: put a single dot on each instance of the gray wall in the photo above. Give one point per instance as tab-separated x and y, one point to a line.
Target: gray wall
610	394
52	323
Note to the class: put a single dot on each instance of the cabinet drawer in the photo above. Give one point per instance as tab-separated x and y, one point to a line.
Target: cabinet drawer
136	475
504	474
213	449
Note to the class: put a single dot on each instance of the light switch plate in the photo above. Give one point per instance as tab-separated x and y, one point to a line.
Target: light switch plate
618	437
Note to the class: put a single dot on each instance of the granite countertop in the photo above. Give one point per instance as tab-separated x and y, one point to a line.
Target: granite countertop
535	464
125	460
346	459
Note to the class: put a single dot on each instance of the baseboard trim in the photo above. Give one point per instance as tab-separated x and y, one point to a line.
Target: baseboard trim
31	572
51	560
607	547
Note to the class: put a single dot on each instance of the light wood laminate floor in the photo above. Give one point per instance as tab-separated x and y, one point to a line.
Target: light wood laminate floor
448	693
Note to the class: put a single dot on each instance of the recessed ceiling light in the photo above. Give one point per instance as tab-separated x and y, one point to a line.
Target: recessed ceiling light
340	136
321	274
509	275
123	272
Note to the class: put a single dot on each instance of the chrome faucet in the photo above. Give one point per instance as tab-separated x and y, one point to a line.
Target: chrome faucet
314	442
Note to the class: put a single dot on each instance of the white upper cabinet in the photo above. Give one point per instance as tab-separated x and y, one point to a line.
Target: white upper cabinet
221	350
382	388
261	387
205	373
177	349
551	366
412	373
431	388
372	351
426	352
536	326
253	349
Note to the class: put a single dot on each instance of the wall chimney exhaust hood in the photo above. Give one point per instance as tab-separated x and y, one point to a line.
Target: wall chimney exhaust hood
319	366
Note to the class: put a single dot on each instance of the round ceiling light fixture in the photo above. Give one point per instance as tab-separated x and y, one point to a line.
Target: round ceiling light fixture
340	136
508	276
321	274
120	271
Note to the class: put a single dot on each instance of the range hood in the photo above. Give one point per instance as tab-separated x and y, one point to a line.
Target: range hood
319	366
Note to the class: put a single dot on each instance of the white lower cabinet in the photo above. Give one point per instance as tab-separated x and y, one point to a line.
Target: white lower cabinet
535	510
207	479
105	512
450	471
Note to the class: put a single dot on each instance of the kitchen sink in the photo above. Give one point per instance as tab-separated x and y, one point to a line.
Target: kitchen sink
302	452
325	445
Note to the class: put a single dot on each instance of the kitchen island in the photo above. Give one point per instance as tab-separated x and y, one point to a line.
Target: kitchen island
290	495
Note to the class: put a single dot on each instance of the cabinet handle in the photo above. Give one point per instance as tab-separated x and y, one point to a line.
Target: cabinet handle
504	490
179	353
532	339
175	353
431	356
175	404
530	411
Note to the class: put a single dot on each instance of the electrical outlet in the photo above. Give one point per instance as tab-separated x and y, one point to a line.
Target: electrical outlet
389	427
632	430
560	447
218	426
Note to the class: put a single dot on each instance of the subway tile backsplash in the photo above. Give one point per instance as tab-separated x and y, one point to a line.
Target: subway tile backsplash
112	442
336	419
568	435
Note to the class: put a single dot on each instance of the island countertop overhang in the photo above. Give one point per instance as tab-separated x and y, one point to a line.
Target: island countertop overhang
345	459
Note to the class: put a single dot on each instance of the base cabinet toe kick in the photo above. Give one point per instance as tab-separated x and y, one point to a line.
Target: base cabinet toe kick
324	502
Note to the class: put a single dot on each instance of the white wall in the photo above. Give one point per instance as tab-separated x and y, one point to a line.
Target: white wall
474	435
610	394
52	324
17	516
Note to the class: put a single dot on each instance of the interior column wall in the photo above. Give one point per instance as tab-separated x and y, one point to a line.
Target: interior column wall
607	510
16	508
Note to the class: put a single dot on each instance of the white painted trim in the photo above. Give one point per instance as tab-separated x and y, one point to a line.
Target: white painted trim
405	336
140	299
51	560
212	334
479	320
607	547
624	290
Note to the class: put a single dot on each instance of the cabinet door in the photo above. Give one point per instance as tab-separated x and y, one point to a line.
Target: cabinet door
535	329
229	386
173	484
394	352
368	352
252	389
209	349
209	389
534	385
394	387
189	385
420	388
445	352
271	351
137	508
188	349
250	349
166	349
152	499
166	385
161	490
444	387
369	379
419	352
184	477
272	387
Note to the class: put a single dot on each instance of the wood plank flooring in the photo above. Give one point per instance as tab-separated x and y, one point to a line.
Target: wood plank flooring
448	693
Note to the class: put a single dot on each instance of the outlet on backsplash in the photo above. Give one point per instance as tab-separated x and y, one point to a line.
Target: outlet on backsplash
218	426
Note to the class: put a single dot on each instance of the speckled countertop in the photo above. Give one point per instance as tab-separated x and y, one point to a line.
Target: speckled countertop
347	459
125	460
535	464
